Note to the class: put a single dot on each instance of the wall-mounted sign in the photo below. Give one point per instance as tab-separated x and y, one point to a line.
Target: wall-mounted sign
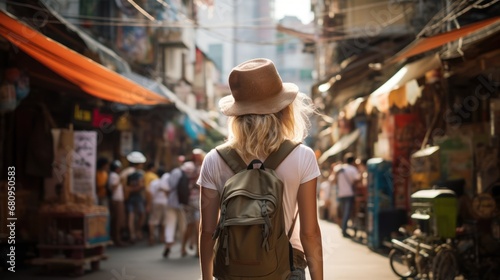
101	120
89	116
82	114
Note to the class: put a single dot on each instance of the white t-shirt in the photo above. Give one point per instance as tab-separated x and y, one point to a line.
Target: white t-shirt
114	179
345	180
299	167
157	188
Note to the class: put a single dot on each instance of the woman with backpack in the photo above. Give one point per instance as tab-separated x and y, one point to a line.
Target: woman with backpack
263	113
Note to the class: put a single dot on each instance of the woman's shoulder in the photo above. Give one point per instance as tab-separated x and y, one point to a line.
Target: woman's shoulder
304	149
212	155
302	154
212	159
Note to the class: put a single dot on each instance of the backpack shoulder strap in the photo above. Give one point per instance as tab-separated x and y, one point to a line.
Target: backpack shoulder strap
231	158
276	157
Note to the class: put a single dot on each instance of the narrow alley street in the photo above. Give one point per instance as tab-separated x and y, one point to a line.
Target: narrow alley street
344	260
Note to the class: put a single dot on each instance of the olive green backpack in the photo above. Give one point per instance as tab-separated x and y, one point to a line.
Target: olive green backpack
251	239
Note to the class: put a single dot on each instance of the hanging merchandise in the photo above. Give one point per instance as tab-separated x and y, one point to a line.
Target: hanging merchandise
21	82
14	88
7	97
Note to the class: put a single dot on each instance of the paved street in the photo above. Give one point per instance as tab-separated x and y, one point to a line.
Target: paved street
344	260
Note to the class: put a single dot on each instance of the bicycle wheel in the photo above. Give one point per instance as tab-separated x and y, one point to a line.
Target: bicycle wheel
402	263
444	264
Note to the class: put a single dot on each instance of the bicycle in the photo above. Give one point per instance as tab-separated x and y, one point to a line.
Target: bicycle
412	256
463	256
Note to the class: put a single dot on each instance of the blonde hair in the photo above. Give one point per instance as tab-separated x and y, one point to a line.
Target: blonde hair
256	136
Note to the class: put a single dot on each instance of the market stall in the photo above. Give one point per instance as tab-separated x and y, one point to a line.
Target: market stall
74	231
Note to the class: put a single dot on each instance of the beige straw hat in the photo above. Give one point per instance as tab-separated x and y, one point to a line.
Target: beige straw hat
257	88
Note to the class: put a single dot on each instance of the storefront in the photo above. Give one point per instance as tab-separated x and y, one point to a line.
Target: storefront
436	120
59	112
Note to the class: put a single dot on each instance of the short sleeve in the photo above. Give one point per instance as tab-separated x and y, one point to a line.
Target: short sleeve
310	168
208	173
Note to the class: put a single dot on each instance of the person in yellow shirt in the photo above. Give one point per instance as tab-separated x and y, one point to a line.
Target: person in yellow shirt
150	174
102	181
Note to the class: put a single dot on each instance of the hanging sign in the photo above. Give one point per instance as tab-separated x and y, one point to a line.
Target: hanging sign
84	161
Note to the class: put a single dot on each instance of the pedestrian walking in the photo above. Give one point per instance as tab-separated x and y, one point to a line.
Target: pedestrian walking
347	176
136	205
176	220
117	203
158	189
133	191
192	210
264	112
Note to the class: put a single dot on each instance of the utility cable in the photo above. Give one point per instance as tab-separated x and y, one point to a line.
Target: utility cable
453	15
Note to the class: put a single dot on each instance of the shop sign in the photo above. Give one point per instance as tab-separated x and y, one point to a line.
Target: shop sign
91	116
84	159
101	120
82	114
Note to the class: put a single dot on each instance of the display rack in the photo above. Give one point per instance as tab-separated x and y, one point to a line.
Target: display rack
73	239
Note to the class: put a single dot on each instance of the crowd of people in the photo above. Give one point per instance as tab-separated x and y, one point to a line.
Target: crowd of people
144	200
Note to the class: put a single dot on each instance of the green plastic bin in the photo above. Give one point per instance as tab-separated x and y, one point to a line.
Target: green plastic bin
438	207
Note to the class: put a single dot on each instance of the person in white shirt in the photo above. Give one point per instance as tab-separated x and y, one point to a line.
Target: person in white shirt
117	203
158	189
347	176
134	204
176	218
263	112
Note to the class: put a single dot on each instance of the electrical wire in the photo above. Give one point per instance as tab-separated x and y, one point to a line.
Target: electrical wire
107	21
162	24
476	6
156	23
436	20
141	10
454	14
486	5
188	23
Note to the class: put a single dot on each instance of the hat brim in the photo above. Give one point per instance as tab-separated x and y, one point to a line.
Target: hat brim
272	105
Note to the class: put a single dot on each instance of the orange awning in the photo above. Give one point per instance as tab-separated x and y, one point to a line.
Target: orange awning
87	74
426	44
